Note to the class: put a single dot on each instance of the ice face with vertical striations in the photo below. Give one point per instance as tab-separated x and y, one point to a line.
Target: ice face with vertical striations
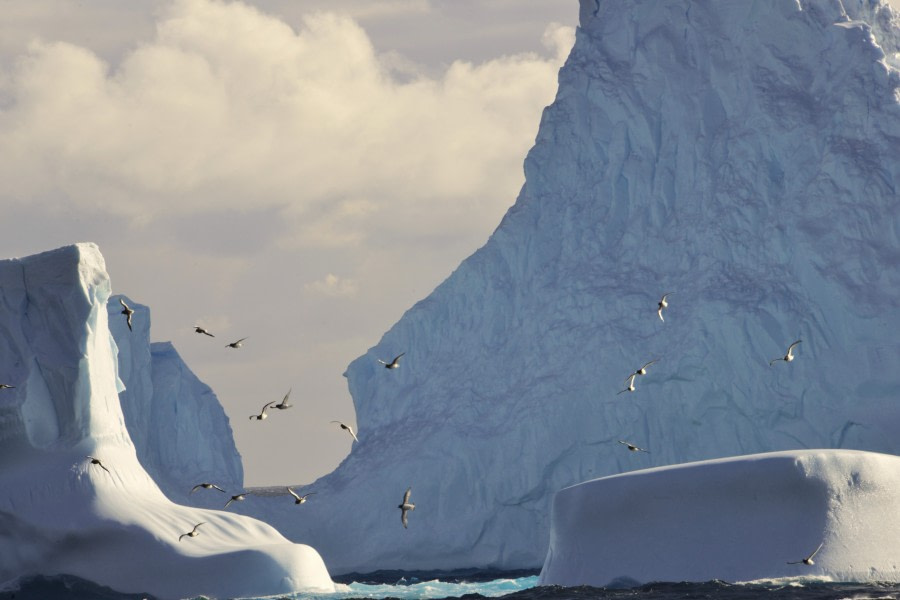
742	155
179	429
60	513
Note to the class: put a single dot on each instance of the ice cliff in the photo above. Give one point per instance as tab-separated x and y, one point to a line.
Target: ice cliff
736	519
109	523
742	155
180	431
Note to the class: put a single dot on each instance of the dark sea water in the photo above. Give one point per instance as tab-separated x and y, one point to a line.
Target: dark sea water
473	585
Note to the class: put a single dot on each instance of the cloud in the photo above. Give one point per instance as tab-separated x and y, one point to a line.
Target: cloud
230	109
333	286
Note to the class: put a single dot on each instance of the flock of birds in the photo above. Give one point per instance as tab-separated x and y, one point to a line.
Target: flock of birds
788	357
405	506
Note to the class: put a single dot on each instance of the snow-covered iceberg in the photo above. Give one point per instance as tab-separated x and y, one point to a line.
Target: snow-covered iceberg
109	522
736	519
741	155
180	431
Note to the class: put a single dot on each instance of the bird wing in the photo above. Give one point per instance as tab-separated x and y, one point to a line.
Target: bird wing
286	396
815	552
294	494
396	358
648	364
266	407
406	495
350	429
403	518
659	312
194	489
791	347
775	360
182	535
122	302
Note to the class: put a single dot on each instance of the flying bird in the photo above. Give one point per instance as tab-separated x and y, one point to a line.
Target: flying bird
405	507
192	533
809	559
787	357
394	363
299	499
632	447
642	370
348	429
236	498
198	329
284	403
262	415
127	311
663	303
96	461
206	486
236	344
6	386
630	380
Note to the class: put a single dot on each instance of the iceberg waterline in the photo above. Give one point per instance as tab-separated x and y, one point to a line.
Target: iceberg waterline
107	522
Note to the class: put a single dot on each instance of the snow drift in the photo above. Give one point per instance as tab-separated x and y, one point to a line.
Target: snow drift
60	514
741	155
736	519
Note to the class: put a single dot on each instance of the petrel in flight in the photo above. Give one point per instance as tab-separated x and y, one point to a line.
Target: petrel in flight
127	311
348	429
192	533
198	329
405	507
809	559
206	486
663	303
394	363
236	344
787	357
299	499
262	415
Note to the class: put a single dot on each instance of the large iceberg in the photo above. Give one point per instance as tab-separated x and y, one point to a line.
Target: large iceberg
737	519
62	514
742	156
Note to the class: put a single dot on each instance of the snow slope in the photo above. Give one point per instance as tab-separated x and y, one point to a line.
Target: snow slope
179	429
742	155
61	514
736	519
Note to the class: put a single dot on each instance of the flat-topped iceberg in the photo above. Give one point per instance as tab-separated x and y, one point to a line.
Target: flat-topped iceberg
735	519
109	522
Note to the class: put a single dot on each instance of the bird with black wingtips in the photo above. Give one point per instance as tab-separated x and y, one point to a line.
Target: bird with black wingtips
236	344
297	498
787	357
206	486
630	380
236	498
405	507
643	369
283	405
809	559
262	415
127	311
663	303
192	533
96	461
631	447
198	329
348	429
394	363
